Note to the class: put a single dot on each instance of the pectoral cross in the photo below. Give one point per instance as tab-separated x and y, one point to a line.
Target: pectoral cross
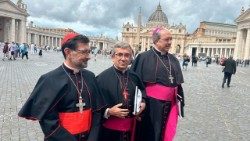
125	94
171	78
80	105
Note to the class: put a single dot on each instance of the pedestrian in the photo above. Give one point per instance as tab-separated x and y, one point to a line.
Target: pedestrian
67	101
185	62
12	51
32	48
40	52
208	61
24	50
229	69
5	51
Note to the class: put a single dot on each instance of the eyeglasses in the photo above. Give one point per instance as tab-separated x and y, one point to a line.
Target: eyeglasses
125	55
84	51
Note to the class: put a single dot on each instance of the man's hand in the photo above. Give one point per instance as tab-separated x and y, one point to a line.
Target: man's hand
142	108
117	111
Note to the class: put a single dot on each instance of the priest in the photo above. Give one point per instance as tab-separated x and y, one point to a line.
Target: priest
66	101
119	87
161	73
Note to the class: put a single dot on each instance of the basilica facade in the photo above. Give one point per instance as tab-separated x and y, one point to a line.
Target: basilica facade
209	39
139	36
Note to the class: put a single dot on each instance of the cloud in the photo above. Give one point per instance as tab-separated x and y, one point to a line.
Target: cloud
107	16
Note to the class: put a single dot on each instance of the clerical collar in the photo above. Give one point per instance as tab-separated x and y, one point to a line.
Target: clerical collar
70	69
119	71
159	52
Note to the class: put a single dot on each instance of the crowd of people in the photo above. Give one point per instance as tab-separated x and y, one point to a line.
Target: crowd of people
185	59
13	50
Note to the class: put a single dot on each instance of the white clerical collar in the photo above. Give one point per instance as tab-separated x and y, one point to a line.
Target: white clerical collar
74	69
123	71
162	53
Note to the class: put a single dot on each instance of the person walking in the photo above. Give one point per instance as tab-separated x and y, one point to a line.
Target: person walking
230	68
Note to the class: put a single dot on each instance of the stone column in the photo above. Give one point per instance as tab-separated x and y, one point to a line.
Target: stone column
38	40
52	41
46	40
227	52
13	30
42	41
247	45
22	31
143	44
29	38
56	42
49	41
60	42
148	42
221	52
238	45
35	39
42	38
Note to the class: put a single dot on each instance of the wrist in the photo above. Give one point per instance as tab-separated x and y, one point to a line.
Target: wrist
106	113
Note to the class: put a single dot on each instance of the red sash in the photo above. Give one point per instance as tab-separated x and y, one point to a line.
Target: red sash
76	122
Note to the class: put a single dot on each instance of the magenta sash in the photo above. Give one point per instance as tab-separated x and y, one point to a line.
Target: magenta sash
121	124
167	94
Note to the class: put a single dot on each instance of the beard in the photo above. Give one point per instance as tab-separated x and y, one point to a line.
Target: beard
83	64
80	64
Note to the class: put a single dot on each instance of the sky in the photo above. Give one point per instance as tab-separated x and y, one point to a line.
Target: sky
95	17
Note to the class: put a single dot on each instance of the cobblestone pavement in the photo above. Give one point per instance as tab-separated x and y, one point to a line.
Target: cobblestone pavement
211	113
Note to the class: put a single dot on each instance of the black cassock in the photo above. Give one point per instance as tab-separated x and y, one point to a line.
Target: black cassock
55	93
152	71
110	85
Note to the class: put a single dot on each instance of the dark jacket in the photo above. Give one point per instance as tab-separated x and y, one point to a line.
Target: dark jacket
230	66
5	48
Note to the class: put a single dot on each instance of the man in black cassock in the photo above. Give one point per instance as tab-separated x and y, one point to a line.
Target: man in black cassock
118	85
161	73
66	101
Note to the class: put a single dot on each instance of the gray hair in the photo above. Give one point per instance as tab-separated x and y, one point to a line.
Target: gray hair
122	45
156	37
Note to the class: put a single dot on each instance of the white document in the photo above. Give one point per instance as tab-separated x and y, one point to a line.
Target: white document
138	99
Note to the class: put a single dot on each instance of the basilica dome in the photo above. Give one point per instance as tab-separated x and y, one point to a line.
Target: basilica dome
158	16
